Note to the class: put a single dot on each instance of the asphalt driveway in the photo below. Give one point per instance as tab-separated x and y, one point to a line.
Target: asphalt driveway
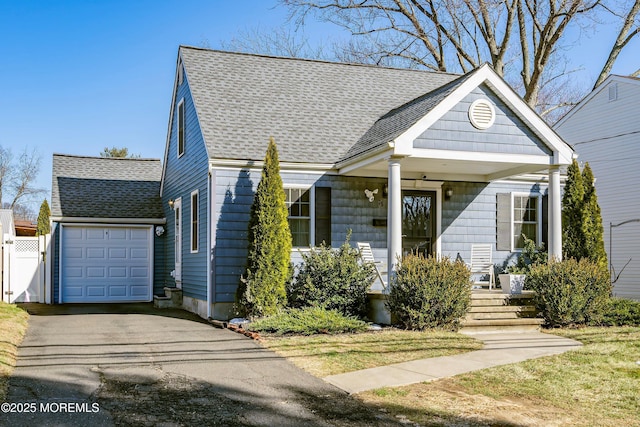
133	365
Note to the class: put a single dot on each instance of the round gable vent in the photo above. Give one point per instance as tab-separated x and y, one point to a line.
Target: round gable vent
482	114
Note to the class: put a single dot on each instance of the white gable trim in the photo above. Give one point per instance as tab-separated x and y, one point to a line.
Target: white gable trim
485	74
171	111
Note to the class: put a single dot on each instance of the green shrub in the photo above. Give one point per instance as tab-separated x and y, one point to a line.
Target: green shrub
427	293
622	312
262	289
308	321
332	279
570	292
530	256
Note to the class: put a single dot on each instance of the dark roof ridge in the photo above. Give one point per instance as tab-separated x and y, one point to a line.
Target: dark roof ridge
80	156
321	61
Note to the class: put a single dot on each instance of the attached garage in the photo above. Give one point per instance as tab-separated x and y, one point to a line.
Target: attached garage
106	264
108	228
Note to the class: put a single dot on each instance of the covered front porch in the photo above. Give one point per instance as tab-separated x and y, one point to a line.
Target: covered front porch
470	163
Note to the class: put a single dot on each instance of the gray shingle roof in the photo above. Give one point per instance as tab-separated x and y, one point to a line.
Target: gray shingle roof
397	121
316	111
96	187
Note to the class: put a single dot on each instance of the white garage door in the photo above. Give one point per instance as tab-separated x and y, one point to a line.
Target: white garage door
106	264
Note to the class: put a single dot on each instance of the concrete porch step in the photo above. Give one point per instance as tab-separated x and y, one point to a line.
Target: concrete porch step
492	325
172	298
522	313
496	299
492	311
502	309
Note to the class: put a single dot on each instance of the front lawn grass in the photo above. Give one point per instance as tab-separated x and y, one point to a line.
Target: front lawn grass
323	355
13	325
598	384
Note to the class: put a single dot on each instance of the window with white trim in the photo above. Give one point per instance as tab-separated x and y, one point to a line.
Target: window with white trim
526	217
181	128
298	202
194	221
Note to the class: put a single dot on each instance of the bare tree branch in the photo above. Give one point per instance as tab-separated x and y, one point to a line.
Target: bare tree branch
624	37
6	159
26	172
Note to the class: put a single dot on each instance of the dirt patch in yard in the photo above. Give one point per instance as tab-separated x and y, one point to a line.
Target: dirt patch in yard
444	403
173	400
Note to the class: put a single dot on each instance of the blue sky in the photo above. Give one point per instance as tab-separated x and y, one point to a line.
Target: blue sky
78	76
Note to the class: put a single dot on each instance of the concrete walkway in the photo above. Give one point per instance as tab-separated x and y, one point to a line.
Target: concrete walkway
500	348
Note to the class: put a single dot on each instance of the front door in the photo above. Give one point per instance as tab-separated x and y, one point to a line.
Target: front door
419	222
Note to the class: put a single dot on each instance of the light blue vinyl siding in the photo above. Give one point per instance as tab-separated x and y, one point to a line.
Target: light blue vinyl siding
235	188
182	176
469	216
159	261
508	134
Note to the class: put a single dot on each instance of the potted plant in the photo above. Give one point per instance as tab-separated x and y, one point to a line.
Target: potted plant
512	281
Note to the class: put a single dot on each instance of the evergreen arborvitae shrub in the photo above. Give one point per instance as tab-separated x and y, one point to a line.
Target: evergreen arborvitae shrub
44	226
572	213
332	280
262	290
592	222
430	293
570	292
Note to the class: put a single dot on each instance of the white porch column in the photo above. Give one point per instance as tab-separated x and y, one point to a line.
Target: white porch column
555	214
394	215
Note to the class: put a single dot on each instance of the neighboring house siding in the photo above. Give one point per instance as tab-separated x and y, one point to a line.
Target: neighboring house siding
606	134
470	217
182	176
454	131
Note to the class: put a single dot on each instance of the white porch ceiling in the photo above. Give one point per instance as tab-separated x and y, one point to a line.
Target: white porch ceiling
452	169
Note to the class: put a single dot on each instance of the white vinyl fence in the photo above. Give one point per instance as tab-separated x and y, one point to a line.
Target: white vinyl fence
25	269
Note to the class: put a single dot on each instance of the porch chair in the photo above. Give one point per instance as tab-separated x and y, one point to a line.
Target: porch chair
367	257
481	265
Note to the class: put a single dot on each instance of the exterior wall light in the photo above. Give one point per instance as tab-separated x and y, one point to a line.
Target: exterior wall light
448	193
370	194
171	204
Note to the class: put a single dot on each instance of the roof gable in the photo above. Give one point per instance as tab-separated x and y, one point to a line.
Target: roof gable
507	134
562	152
96	187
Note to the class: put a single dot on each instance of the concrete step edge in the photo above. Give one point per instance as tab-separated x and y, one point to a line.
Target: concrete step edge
503	322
